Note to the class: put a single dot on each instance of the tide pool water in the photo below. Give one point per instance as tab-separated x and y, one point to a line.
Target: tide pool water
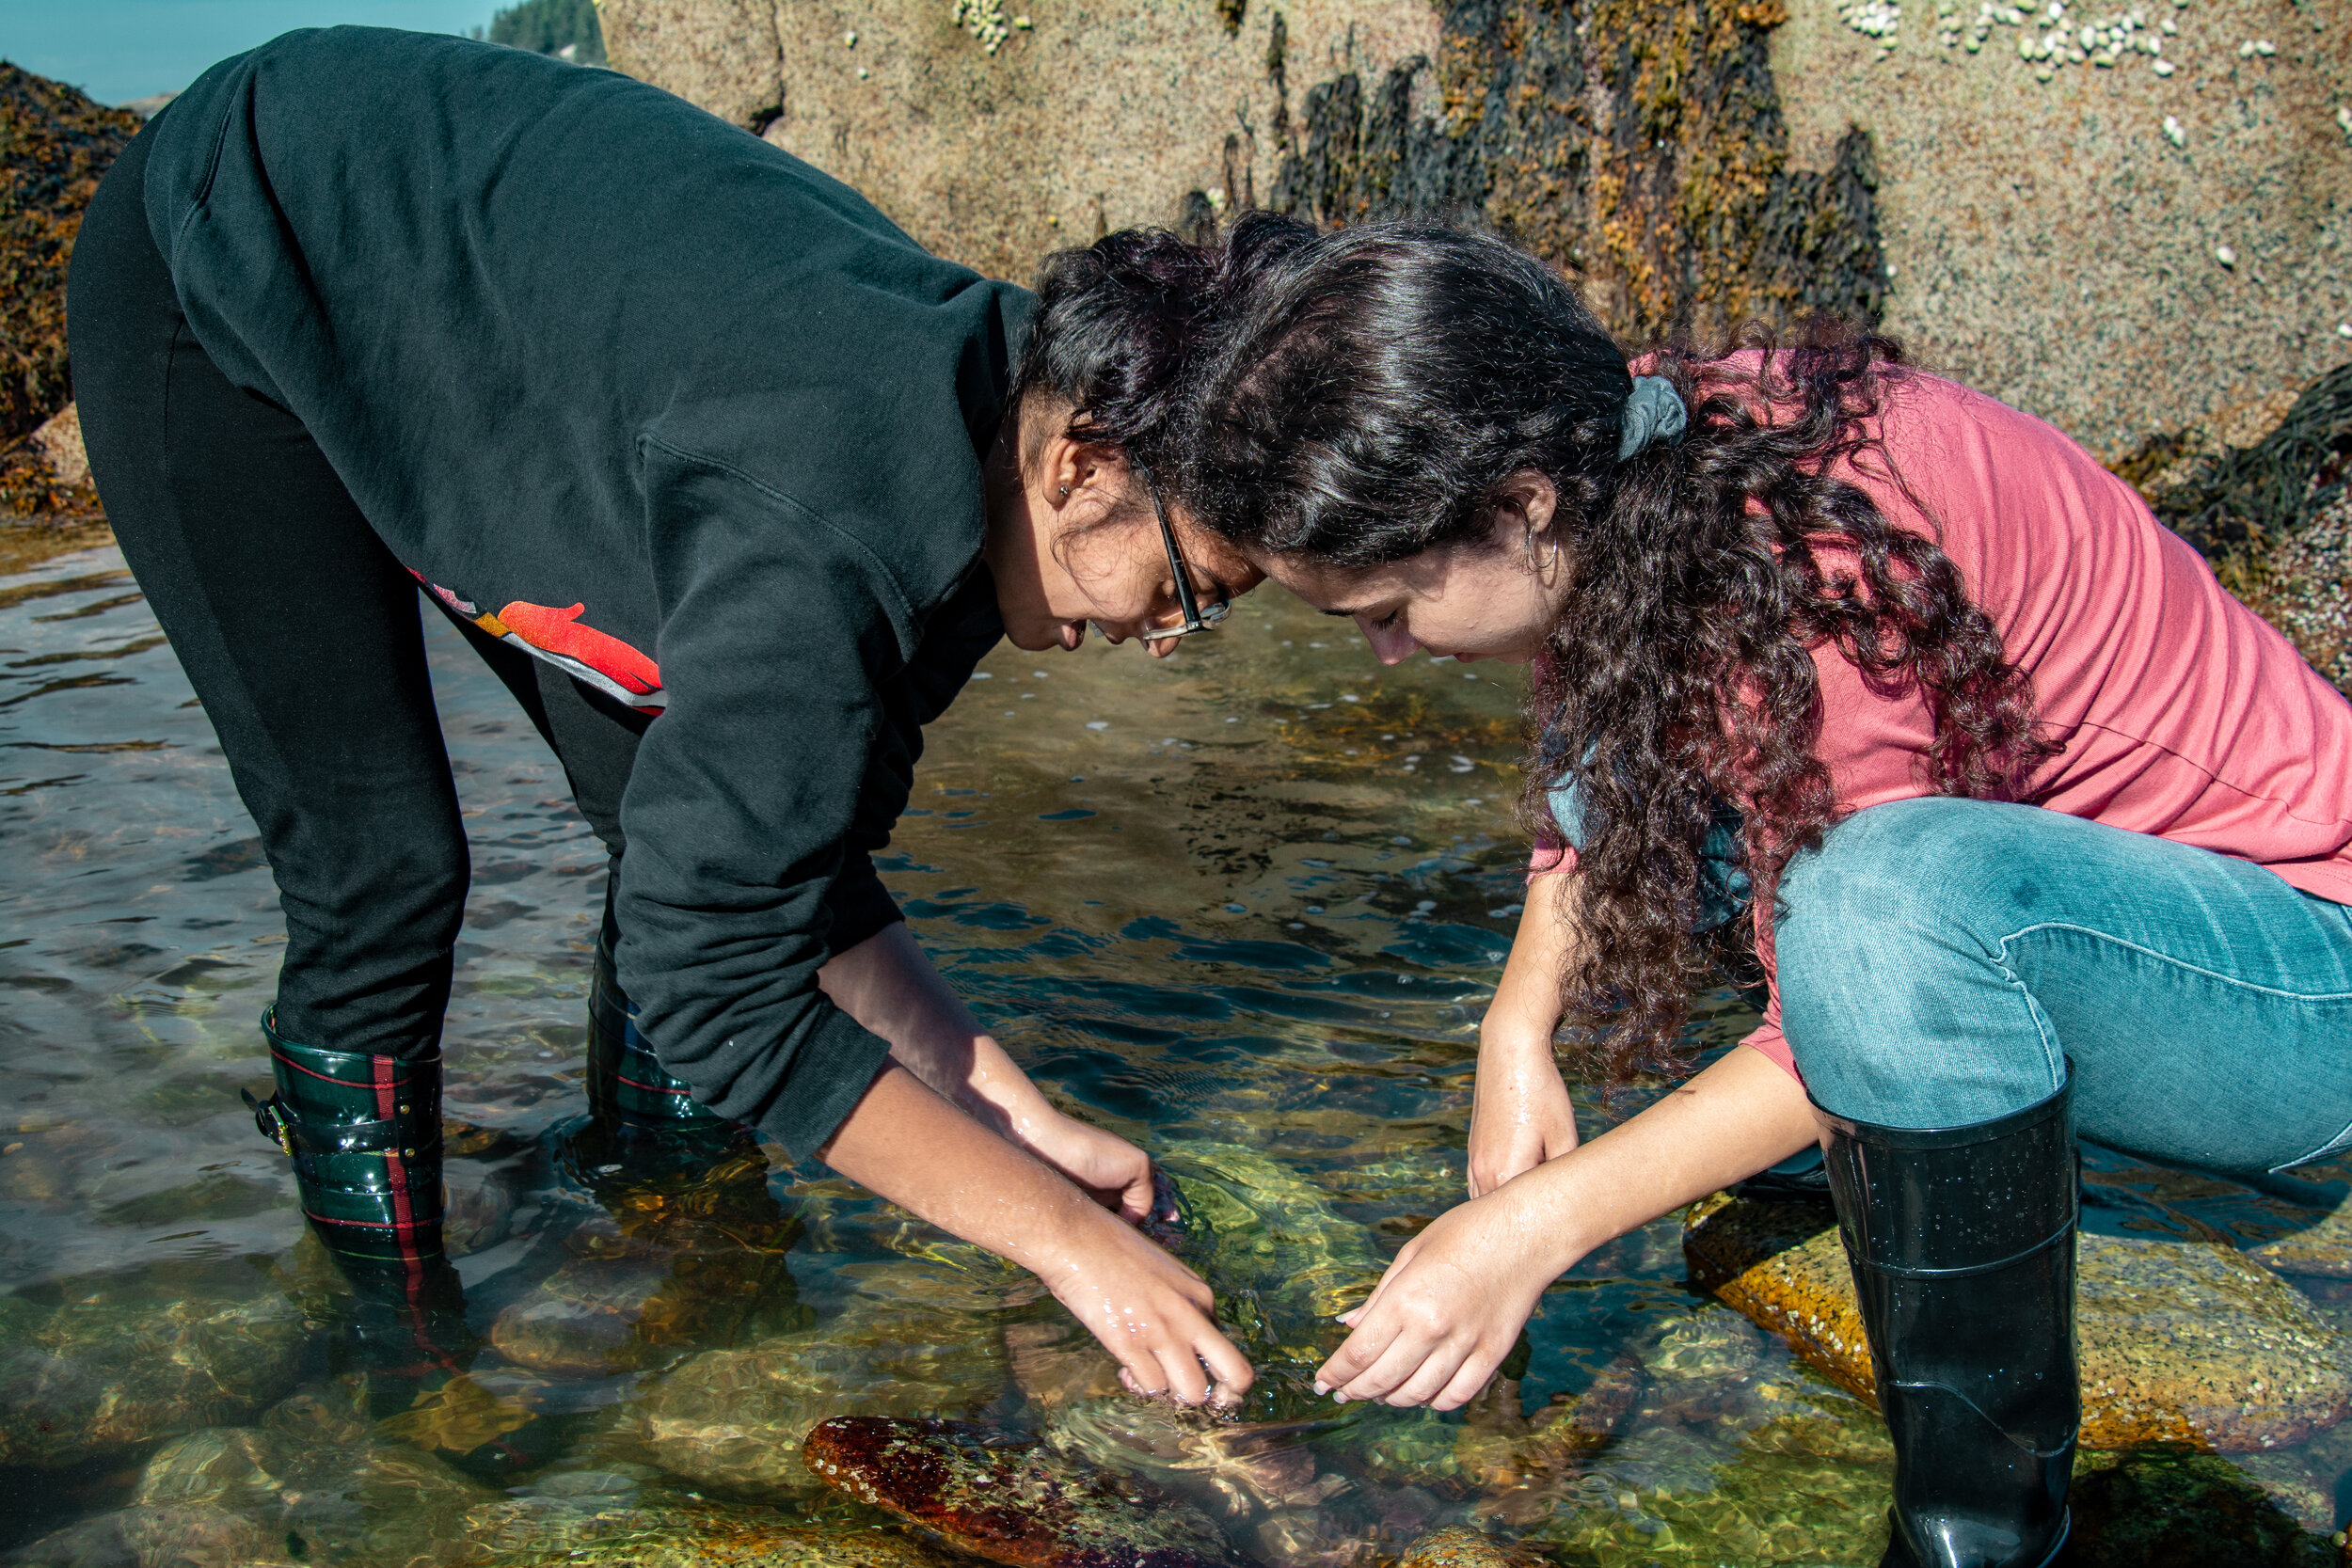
1244	907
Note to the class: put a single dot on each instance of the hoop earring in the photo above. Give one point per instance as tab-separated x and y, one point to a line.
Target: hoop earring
1549	561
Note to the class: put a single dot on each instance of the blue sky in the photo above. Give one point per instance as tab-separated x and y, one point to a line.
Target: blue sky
121	49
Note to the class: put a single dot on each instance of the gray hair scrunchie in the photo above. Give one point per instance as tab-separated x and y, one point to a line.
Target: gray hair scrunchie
1654	413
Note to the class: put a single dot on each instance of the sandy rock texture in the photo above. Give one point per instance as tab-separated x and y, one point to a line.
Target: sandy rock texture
2054	243
1694	162
2179	1342
1638	142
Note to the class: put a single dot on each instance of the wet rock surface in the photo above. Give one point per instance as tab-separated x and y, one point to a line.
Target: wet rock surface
82	1378
2178	1341
1011	1499
1460	1548
736	1418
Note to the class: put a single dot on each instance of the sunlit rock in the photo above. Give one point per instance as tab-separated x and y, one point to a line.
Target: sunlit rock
2178	1341
735	1418
584	1319
1456	1546
84	1378
1011	1499
2321	1251
369	1501
1500	1448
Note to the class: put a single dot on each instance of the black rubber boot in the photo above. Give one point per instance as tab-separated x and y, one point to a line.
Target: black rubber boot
365	1136
1962	1246
626	1082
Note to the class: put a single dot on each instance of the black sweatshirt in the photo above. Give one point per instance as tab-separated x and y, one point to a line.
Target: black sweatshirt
663	405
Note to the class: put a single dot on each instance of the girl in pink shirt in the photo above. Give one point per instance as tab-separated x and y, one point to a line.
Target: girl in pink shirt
2029	825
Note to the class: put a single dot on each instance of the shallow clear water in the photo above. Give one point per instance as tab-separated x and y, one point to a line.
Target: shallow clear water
1244	908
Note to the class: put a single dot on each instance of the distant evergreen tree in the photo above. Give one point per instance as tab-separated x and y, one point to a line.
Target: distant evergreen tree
550	26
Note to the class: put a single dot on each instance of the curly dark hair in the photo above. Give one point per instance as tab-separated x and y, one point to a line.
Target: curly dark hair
1364	396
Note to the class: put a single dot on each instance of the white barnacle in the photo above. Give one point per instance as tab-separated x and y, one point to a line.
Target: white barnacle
2164	67
2224	255
2173	133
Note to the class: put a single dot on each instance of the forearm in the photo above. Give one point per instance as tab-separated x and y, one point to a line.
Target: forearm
888	984
1739	1116
1525	1012
907	1144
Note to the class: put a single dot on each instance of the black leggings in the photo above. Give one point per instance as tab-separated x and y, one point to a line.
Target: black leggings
302	638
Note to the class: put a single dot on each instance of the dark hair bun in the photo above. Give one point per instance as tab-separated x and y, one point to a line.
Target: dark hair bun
1117	321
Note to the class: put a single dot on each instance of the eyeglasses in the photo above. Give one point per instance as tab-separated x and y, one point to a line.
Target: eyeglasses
1197	617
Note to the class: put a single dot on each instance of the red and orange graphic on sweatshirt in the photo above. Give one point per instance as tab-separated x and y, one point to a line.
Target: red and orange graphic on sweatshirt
564	641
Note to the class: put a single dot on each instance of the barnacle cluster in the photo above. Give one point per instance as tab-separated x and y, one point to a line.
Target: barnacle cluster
985	21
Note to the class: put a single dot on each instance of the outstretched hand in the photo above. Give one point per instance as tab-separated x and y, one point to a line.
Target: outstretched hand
1151	1312
1449	1310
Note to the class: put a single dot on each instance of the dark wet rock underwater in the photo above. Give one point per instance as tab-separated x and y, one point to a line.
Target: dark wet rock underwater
1244	908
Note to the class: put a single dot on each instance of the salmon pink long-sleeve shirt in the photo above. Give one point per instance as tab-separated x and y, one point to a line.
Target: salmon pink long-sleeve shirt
2182	714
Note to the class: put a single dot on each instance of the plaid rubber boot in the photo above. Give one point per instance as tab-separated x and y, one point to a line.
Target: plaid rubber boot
626	1082
365	1136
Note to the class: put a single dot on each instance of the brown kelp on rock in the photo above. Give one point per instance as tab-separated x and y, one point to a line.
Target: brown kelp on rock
2179	1342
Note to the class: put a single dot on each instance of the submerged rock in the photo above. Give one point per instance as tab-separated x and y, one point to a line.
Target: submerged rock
164	1537
85	1378
531	1533
736	1418
2182	1342
367	1501
1500	1449
1457	1546
1262	1478
1011	1499
1283	1260
2323	1251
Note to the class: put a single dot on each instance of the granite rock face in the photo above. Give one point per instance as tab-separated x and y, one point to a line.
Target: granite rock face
1637	142
2178	1342
1693	163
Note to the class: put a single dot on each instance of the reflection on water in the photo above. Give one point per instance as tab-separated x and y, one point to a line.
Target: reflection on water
1244	908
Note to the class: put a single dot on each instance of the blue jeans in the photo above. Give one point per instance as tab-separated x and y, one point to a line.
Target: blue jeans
1940	961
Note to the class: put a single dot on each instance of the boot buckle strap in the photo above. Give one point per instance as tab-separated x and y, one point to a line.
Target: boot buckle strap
271	1120
279	1123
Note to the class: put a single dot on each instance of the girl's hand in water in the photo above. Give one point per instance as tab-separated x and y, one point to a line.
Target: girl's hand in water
1450	1308
1149	1311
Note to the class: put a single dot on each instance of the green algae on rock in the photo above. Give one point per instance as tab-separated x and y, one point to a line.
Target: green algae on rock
85	1378
2179	1342
736	1418
1011	1499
